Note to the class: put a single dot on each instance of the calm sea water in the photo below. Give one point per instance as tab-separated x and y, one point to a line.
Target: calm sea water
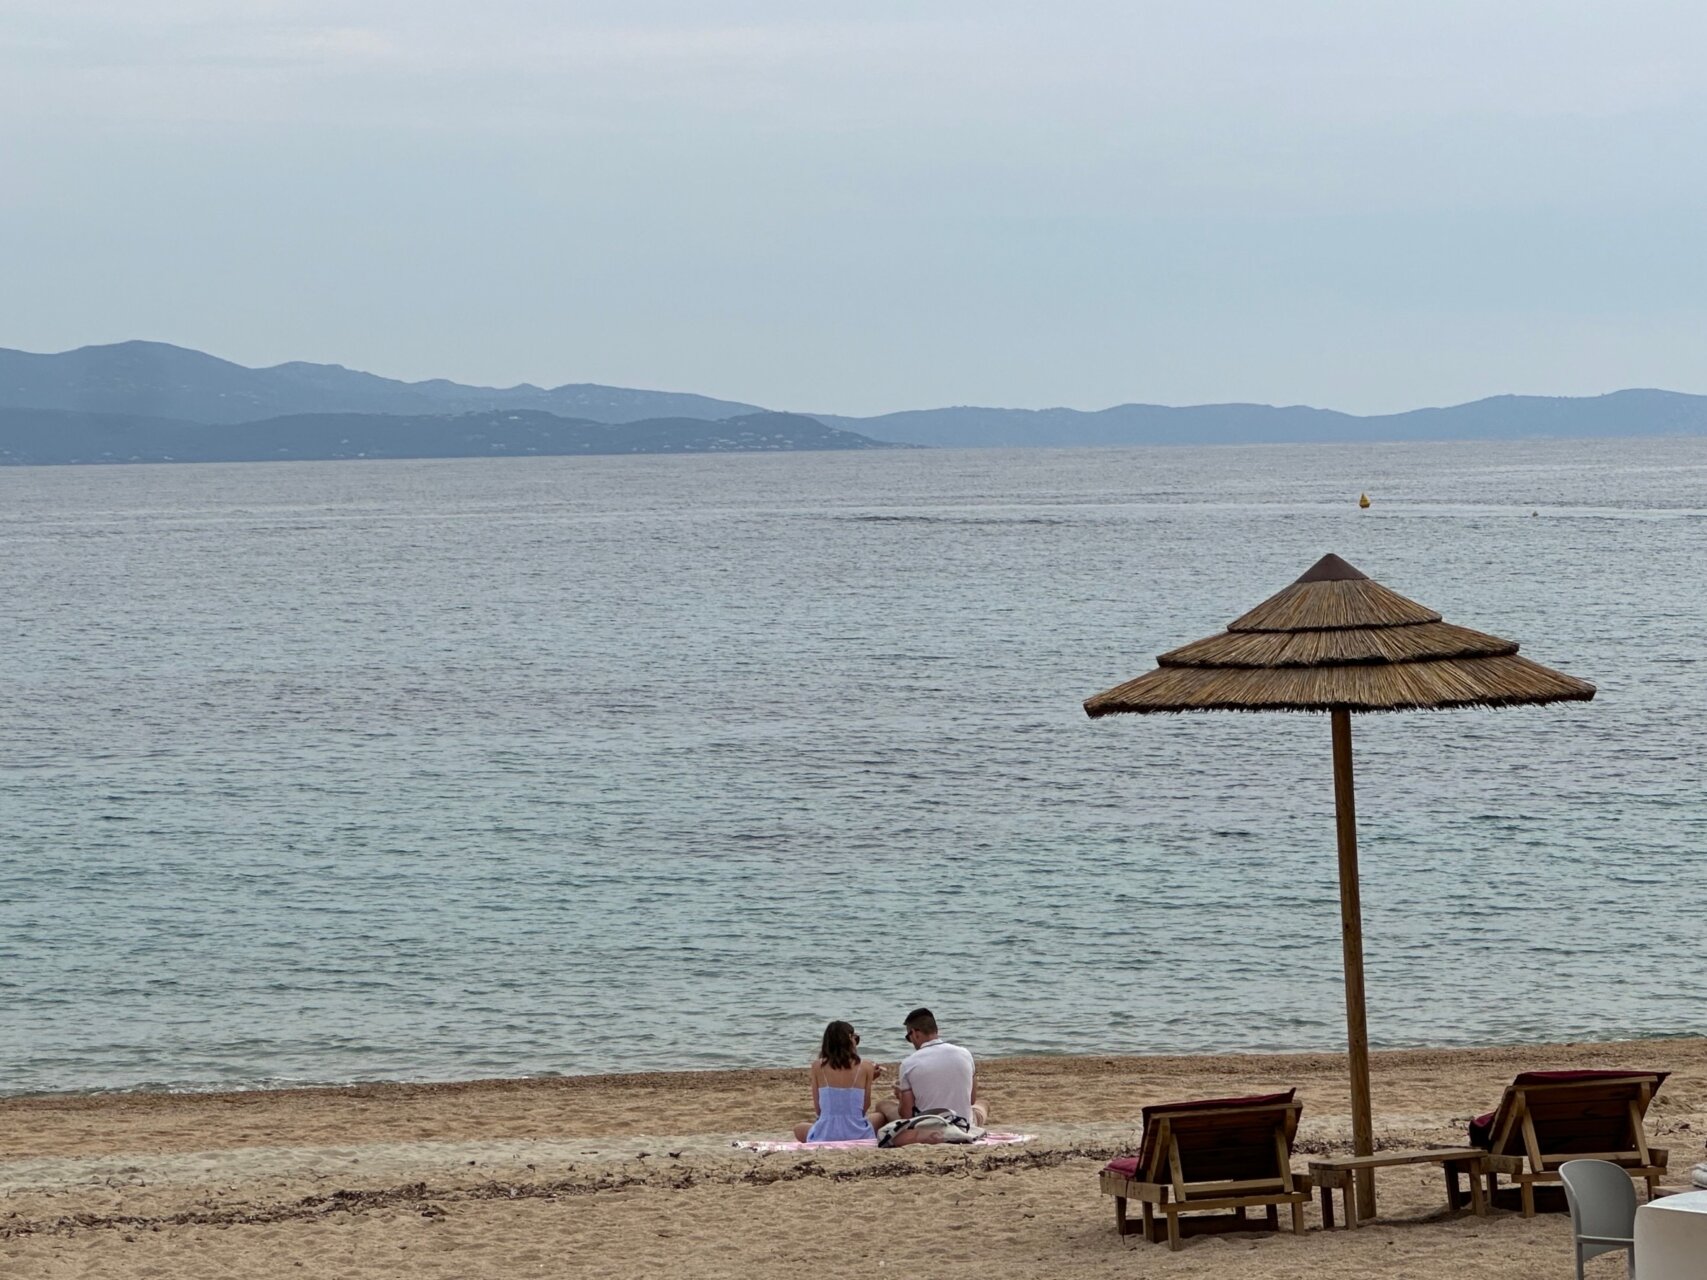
399	770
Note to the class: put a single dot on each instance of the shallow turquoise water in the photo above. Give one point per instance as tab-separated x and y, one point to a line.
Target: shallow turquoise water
441	769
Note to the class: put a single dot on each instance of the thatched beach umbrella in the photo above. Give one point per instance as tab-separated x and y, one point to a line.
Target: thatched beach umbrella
1340	642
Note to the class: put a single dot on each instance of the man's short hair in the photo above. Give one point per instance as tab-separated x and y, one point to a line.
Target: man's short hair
922	1020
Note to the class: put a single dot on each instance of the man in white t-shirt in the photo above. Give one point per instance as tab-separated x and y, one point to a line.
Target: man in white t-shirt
936	1076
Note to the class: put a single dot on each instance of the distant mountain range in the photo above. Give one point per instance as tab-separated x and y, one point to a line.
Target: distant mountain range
157	380
149	401
1622	413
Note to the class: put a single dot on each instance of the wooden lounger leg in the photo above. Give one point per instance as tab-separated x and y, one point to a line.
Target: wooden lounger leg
1120	1215
1455	1195
1348	1198
1149	1224
1527	1192
1273	1216
1327	1190
1173	1226
1297	1217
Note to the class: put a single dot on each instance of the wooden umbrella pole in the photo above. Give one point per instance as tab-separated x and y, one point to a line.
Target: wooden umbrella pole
1351	934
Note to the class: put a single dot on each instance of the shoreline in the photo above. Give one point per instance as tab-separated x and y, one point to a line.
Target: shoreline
681	1075
1037	1088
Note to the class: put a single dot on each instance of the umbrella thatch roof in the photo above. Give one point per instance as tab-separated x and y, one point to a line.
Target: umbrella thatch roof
1336	639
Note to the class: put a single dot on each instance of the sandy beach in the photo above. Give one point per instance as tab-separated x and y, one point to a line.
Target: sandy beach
629	1176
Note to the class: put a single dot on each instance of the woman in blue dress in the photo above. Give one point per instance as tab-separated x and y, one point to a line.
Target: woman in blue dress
841	1090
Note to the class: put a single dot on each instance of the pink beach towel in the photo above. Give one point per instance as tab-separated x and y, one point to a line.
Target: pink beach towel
991	1139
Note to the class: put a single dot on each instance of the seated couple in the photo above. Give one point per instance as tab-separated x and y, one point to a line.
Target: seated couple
937	1078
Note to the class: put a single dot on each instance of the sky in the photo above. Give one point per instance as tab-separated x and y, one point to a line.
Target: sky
863	207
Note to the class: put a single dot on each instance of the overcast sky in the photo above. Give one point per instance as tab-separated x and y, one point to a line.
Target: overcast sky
870	206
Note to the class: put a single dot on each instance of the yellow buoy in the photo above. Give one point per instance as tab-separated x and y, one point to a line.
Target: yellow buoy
1363	501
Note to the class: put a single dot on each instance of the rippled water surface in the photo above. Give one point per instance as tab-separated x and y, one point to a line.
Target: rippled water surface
442	769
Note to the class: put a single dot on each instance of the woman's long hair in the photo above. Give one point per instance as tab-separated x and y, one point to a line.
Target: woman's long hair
840	1048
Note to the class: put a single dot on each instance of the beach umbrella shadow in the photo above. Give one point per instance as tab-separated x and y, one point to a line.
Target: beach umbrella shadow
1340	642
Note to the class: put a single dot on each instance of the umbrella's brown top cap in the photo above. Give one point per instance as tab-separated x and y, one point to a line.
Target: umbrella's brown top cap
1337	639
1330	568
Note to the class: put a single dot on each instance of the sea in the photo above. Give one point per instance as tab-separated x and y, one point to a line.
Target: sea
405	770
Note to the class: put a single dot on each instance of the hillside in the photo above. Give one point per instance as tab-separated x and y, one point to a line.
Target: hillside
158	380
1622	413
42	437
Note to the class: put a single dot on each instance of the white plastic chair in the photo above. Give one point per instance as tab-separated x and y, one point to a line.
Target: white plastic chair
1603	1210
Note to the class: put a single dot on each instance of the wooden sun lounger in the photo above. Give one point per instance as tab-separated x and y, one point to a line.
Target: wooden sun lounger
1218	1154
1548	1117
